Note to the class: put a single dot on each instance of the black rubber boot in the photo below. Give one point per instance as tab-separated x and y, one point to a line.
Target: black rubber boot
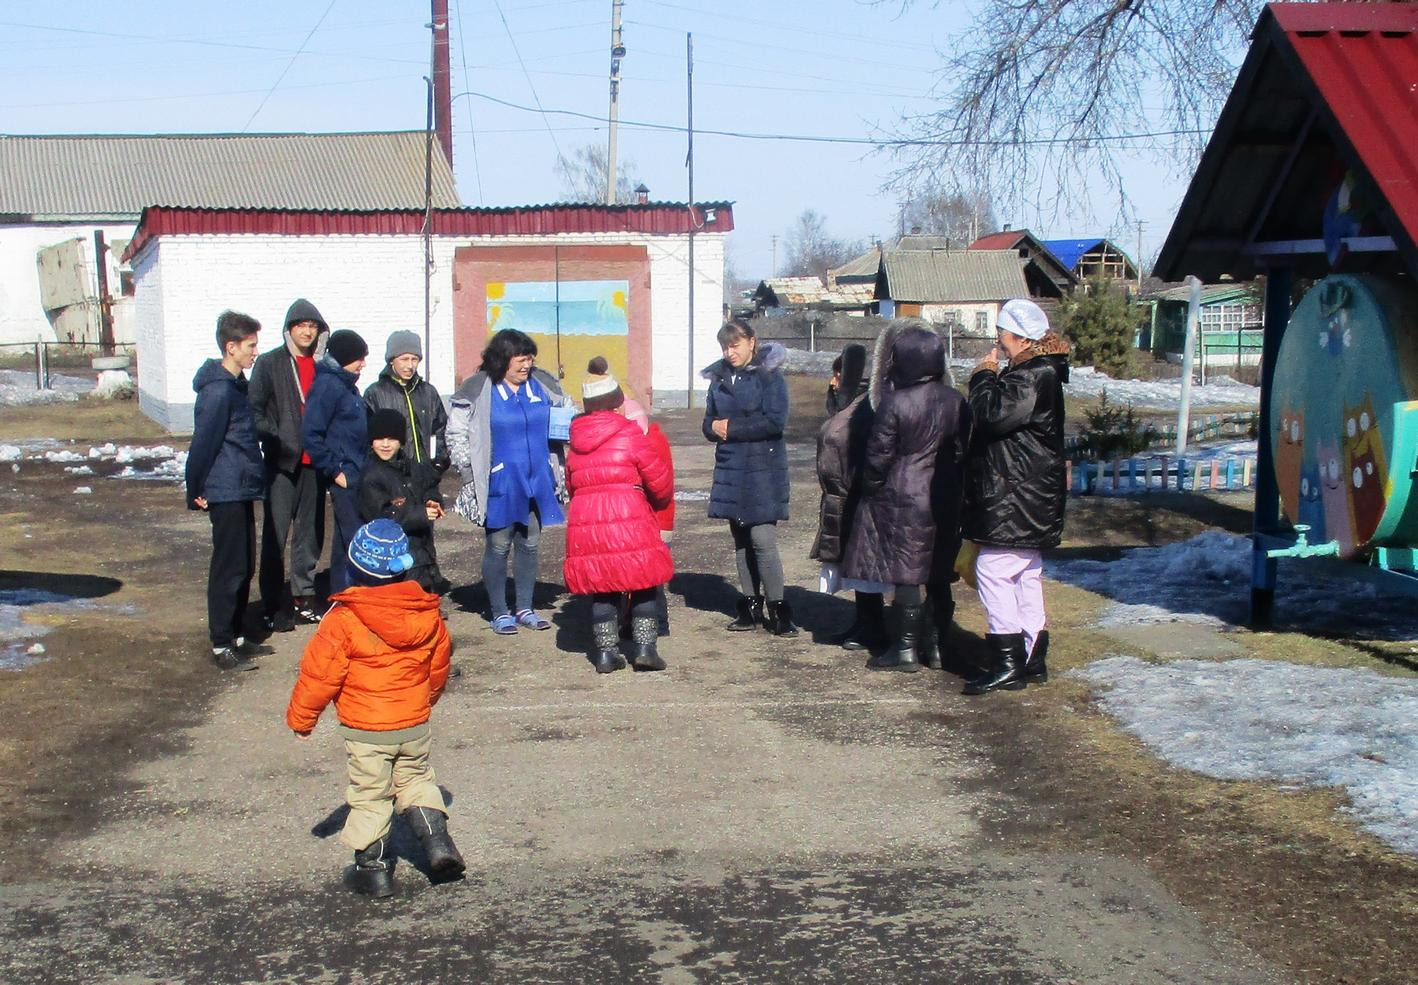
373	873
750	614
935	644
431	826
903	654
1006	671
779	619
643	654
605	647
662	612
1035	670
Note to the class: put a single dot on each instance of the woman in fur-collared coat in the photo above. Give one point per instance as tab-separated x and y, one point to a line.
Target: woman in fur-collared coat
910	482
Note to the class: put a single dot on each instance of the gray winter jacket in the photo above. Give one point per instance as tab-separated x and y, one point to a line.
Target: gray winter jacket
470	442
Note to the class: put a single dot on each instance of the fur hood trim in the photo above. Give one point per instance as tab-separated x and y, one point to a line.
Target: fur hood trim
883	357
1052	344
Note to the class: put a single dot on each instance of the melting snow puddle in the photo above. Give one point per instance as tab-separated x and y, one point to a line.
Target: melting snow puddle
1286	723
1206	580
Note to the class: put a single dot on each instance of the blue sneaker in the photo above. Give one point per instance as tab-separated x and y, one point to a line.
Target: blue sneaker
505	624
528	618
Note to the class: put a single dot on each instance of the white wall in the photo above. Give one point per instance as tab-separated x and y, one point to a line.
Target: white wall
21	317
373	285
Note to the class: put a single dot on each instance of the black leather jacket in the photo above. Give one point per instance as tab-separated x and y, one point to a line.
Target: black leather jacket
1015	480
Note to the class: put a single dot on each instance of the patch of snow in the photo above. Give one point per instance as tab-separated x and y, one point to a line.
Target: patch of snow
1206	580
691	496
63	456
1269	720
809	363
11	453
128	454
104	451
113	383
1085	381
78	470
17	387
83	491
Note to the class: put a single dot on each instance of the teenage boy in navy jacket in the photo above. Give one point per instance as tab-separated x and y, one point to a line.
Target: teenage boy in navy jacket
335	431
225	477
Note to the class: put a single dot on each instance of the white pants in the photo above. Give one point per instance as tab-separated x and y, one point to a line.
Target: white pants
1011	589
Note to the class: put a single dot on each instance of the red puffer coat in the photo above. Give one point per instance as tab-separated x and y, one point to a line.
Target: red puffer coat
617	481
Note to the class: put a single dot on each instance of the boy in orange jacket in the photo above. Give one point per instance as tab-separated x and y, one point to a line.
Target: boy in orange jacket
382	655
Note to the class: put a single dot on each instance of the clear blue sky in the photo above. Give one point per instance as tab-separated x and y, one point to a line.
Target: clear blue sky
825	67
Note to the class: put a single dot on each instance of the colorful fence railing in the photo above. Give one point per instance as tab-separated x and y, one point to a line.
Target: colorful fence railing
1161	473
1211	427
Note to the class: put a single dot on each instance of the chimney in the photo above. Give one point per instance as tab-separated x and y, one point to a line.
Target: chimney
442	85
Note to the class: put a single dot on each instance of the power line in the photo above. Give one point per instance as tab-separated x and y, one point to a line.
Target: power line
527	75
282	76
463	52
867	141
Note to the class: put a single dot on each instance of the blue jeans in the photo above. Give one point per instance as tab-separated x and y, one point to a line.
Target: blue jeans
524	538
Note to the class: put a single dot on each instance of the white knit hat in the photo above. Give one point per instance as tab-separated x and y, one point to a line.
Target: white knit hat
600	391
1022	317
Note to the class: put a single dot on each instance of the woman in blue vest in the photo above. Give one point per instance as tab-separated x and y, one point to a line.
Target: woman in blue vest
513	473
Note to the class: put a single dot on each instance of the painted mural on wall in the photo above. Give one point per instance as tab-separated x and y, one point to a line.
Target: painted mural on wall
1342	412
571	322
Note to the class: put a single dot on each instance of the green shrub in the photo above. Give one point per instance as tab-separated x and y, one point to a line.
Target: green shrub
1099	324
1110	431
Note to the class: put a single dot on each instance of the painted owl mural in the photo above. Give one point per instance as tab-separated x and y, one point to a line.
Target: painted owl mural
1334	410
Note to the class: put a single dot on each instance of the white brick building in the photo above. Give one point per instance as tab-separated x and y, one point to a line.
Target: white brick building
364	272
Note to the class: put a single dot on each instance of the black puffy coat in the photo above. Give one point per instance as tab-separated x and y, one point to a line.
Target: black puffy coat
751	466
911	471
425	416
275	392
841	446
398	490
1015	485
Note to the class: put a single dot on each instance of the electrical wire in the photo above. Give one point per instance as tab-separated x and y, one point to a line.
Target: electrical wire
280	78
467	80
824	139
527	75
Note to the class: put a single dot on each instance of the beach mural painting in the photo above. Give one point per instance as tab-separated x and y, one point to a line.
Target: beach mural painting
590	316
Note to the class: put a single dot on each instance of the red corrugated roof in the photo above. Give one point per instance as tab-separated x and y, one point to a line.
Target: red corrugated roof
652	219
999	241
1363	58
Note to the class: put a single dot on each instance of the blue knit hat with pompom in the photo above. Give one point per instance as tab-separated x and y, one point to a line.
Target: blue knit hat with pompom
380	550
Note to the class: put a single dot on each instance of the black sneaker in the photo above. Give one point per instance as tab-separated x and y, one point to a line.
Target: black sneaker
226	658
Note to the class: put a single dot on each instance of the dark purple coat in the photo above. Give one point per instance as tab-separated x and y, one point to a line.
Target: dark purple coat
911	474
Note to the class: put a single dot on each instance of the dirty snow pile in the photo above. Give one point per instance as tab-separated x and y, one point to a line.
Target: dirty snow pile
1222	391
158	462
18	387
1206	580
1269	720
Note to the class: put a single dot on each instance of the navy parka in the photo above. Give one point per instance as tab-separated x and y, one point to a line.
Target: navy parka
751	466
335	429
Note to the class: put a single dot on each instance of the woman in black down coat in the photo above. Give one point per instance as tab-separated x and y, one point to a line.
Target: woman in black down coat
911	482
745	413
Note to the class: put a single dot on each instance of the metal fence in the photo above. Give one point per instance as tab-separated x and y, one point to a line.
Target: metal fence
44	358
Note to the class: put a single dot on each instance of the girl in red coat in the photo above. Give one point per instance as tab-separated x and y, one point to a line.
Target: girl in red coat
618	481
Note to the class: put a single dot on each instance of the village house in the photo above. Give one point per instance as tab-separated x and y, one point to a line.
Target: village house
69	205
1230	325
784	295
1093	258
1029	247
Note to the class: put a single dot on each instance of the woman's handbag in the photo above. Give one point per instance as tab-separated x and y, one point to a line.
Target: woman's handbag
965	562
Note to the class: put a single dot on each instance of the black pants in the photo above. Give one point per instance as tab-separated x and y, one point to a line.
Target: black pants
233	561
605	606
345	503
295	509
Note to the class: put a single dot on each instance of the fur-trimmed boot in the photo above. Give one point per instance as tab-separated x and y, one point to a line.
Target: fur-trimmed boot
904	653
643	654
431	826
778	619
750	614
1006	671
373	873
605	646
1035	670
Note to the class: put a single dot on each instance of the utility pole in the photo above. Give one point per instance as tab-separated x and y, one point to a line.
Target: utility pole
774	240
617	53
693	220
1139	257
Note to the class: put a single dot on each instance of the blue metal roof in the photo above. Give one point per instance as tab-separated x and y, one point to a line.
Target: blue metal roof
1069	250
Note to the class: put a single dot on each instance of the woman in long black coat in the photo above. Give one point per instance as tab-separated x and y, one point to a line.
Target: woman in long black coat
911	482
745	414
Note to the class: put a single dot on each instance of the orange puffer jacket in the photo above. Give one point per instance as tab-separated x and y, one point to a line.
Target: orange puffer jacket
381	654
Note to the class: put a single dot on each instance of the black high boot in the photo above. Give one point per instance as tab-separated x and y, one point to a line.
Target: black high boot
903	654
605	646
373	873
431	826
779	619
643	654
750	614
936	652
1006	671
869	631
1035	670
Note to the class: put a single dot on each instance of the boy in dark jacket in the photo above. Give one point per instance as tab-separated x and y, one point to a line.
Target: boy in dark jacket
224	478
400	388
295	492
336	434
403	491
